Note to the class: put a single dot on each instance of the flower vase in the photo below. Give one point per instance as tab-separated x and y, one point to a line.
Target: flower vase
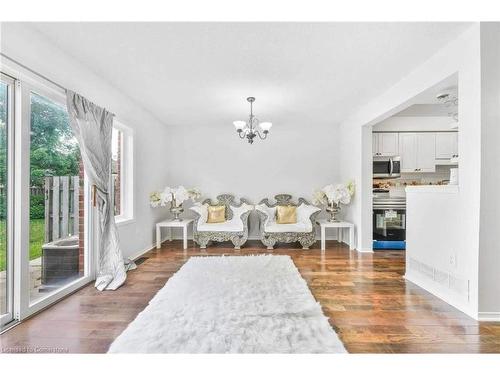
333	209
176	210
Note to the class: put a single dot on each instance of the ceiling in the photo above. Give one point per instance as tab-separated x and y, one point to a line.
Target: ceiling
425	110
199	74
427	104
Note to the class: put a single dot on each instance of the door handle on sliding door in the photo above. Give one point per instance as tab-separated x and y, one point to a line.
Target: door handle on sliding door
94	195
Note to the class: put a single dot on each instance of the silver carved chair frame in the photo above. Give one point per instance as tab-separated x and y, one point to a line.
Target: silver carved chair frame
306	239
203	238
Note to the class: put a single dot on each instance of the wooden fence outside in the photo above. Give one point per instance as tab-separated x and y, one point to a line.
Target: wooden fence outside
34	190
61	207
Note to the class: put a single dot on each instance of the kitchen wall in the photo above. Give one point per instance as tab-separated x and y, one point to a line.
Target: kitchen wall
295	159
415	124
397	185
442	173
461	56
151	170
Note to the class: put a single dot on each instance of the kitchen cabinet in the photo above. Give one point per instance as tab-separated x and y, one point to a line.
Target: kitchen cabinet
385	144
408	152
426	152
446	145
418	152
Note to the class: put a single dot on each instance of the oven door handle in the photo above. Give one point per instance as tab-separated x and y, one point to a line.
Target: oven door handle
391	166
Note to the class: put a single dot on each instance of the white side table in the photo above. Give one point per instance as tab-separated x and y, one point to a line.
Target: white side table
324	224
169	224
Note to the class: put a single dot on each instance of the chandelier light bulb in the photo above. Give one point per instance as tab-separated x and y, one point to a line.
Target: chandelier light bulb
239	125
266	126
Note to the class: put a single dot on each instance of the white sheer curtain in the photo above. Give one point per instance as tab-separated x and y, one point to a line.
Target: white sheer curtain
92	127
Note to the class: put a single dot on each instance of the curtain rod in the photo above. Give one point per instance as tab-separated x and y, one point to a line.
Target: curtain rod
39	75
34	72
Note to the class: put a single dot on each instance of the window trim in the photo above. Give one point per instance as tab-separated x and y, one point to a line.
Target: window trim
127	174
12	95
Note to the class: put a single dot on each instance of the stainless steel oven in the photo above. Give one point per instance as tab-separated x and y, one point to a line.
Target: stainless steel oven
389	223
386	166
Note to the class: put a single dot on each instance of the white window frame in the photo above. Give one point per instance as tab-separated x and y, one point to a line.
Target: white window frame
126	174
8	317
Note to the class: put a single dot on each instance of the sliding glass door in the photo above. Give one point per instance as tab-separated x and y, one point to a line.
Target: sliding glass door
45	218
56	254
6	255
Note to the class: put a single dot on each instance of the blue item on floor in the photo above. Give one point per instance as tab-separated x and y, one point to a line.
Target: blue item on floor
389	245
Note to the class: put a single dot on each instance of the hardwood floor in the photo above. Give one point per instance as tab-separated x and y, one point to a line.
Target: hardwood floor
370	305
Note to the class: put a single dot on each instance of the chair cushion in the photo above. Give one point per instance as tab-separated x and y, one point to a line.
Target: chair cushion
233	225
286	215
216	214
227	226
303	224
296	228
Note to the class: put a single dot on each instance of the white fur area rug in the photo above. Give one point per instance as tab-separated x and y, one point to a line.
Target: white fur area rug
232	304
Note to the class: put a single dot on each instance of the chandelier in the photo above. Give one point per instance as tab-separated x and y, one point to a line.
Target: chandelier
248	129
449	101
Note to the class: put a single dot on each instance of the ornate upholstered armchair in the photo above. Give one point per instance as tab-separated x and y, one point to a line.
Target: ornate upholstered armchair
302	231
234	228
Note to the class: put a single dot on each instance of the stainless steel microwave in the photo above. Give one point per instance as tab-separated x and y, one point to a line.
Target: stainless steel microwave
386	166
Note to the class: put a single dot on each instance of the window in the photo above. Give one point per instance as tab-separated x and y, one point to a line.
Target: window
116	168
122	172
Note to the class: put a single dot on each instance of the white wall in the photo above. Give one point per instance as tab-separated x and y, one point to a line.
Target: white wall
415	123
489	254
294	159
432	238
463	56
151	137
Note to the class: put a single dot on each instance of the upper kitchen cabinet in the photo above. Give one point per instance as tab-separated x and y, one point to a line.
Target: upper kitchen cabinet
426	152
385	144
408	152
418	152
446	145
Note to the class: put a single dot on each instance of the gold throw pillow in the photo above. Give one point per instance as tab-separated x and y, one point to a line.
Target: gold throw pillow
286	215
216	214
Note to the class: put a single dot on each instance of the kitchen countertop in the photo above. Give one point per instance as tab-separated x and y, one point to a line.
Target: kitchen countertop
450	189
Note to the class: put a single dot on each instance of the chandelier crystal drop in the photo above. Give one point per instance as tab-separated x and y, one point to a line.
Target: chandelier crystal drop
249	129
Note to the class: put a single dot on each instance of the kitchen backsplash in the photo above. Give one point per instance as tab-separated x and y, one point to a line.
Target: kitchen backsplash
441	176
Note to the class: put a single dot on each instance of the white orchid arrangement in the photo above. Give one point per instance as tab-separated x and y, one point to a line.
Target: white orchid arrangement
335	194
176	196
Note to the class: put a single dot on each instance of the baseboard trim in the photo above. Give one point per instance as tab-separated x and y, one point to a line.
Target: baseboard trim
152	247
144	251
447	297
365	250
489	316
